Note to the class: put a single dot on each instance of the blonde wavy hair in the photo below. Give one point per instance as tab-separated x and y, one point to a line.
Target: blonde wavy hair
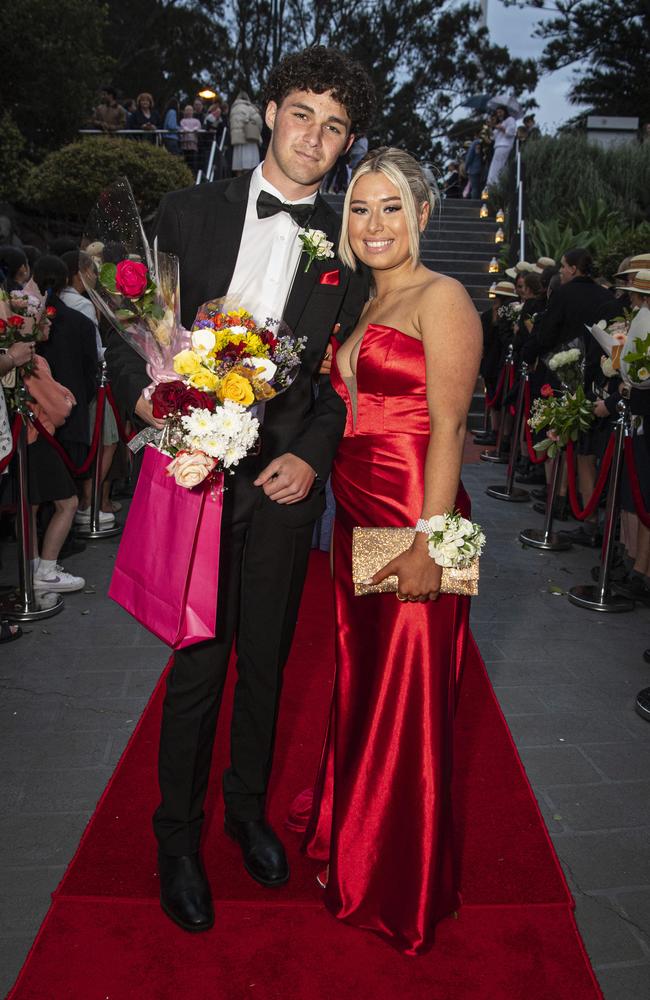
407	175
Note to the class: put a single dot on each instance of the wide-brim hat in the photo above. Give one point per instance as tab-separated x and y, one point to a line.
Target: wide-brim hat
622	267
505	288
640	282
640	262
542	263
521	267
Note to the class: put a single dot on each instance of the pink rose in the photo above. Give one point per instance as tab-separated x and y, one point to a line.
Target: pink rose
131	278
190	468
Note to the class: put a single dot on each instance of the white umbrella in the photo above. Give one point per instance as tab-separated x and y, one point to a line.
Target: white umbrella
506	101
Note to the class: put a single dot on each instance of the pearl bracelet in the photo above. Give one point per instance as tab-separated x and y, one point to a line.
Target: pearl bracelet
423	526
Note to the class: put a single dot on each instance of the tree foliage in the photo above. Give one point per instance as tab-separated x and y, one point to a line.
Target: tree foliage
54	62
606	41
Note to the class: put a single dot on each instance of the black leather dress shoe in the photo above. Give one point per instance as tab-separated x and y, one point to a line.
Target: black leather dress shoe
264	857
539	494
581	536
486	439
184	892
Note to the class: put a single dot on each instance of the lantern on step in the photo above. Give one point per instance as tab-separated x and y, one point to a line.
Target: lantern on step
499	236
501	217
493	266
483	214
485	194
492	292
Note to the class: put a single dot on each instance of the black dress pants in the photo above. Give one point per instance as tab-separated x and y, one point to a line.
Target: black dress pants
263	564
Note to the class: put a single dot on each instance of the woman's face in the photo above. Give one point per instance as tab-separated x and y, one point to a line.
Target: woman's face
145	104
22	274
567	272
520	287
500	113
638	300
377	227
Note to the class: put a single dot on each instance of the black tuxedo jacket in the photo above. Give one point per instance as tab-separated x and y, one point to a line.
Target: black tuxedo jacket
203	227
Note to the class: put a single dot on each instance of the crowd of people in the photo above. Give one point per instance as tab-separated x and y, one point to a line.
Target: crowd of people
63	386
486	155
557	303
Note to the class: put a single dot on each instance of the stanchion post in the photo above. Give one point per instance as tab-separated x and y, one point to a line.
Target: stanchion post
496	455
22	604
509	492
94	528
547	539
599	597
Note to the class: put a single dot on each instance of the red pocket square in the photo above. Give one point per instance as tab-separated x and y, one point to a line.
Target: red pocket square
329	278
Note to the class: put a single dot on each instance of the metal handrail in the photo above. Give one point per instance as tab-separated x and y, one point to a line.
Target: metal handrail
521	222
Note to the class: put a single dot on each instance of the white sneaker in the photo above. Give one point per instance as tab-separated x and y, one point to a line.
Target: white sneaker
83	517
59	582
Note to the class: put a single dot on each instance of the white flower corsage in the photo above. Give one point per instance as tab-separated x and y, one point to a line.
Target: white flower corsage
453	540
316	245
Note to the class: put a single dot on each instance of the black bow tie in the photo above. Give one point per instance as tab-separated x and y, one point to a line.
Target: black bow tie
268	205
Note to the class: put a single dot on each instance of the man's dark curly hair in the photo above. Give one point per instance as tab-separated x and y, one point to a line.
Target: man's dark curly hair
321	69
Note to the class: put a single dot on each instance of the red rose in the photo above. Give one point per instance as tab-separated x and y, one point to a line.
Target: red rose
3	326
547	391
166	398
15	322
50	312
195	399
131	278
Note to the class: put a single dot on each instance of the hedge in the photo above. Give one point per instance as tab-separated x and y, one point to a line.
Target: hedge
69	181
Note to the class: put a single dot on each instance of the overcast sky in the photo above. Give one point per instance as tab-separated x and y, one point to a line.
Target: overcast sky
514	28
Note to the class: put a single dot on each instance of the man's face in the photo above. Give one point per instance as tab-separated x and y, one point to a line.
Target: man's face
500	114
198	106
310	132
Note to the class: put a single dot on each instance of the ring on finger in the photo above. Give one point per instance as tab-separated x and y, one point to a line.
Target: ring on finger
401	598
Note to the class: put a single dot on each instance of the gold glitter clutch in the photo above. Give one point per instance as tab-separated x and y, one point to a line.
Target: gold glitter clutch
373	548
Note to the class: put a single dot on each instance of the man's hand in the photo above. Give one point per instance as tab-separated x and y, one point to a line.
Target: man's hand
286	479
600	410
144	410
326	364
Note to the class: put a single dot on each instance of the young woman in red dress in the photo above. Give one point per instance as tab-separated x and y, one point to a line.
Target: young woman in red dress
381	815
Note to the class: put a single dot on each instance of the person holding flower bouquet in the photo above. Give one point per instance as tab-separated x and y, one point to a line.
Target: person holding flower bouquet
381	814
241	239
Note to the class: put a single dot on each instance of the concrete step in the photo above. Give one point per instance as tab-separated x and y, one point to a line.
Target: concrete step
442	262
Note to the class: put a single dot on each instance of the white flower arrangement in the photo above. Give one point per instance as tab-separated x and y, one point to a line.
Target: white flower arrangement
316	245
564	358
453	540
226	434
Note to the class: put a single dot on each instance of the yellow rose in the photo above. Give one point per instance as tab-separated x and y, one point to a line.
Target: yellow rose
204	379
189	469
238	389
187	362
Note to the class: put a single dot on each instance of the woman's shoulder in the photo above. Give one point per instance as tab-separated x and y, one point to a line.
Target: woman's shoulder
436	286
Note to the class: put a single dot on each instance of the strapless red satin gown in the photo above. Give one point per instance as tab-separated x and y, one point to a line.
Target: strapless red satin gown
382	813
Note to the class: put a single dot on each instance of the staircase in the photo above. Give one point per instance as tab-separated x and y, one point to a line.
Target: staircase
459	243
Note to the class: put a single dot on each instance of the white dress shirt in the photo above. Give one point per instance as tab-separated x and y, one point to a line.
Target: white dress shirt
268	255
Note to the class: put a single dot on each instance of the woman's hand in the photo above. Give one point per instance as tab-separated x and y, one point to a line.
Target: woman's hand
418	576
21	352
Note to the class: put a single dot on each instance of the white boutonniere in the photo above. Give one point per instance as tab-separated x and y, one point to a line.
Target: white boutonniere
316	245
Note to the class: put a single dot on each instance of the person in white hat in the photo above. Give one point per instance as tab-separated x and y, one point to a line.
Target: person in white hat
640	261
497	334
639	289
542	263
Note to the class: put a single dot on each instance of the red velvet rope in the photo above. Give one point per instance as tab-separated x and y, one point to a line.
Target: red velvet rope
94	444
641	512
15	434
118	420
532	454
490	403
582	515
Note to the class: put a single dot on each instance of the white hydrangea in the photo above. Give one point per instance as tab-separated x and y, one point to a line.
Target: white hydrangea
564	358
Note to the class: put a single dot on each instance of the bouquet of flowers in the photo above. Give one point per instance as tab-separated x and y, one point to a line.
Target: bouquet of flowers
454	541
564	417
23	316
510	312
567	367
635	355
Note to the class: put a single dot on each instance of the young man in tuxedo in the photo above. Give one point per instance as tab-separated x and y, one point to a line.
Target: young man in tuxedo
240	237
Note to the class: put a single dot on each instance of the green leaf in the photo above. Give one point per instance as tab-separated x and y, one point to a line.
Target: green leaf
107	274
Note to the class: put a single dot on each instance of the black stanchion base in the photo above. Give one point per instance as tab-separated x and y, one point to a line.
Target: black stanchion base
86	531
551	541
643	703
14	607
588	596
501	493
493	456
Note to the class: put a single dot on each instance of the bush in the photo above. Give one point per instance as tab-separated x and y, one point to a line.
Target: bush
69	181
561	171
12	159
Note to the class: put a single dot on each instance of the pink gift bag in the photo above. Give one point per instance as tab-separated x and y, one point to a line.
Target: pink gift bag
167	566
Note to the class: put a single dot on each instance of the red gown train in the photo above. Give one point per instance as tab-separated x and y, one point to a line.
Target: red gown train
381	814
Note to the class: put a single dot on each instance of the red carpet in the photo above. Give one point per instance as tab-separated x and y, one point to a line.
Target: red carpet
105	936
